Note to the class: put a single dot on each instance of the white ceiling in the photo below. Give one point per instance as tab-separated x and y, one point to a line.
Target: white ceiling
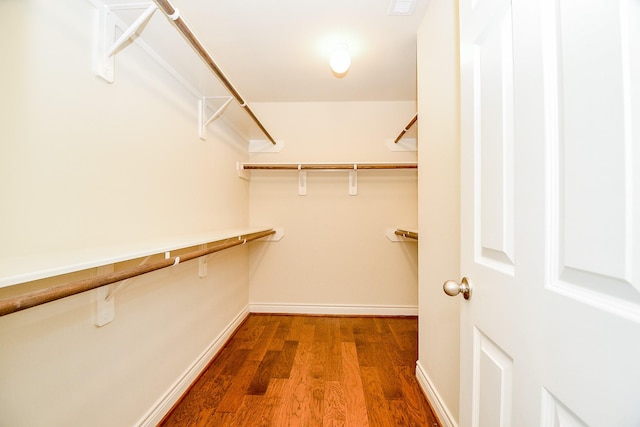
278	50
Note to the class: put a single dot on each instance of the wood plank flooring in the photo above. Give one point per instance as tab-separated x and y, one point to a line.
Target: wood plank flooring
281	370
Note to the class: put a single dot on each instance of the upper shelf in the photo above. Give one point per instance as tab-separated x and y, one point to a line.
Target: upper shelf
200	75
302	168
324	166
25	269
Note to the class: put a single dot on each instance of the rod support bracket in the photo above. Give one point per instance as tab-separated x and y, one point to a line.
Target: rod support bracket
302	181
203	120
353	181
107	45
105	303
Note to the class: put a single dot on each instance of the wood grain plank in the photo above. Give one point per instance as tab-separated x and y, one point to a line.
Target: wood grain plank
249	412
322	329
419	411
315	396
377	406
333	371
346	329
232	399
334	405
367	355
318	359
293	408
382	361
281	332
258	410
356	407
398	412
364	330
261	346
295	328
234	362
282	368
249	332
219	419
264	373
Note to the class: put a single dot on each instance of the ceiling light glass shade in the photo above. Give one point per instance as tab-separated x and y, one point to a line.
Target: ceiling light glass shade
340	60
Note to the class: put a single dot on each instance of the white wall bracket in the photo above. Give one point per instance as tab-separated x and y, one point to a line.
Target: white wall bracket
274	237
242	173
108	45
121	284
392	236
302	181
203	121
202	263
405	144
353	180
105	306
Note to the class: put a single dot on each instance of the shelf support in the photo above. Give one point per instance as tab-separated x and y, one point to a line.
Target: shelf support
202	263
105	306
107	46
353	180
203	122
302	181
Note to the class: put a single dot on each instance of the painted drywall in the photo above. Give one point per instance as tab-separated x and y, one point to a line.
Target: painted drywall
334	256
85	164
439	205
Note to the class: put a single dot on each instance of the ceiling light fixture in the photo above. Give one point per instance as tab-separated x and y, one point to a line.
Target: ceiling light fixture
340	60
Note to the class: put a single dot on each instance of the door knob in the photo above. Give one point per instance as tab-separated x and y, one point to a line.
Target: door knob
453	288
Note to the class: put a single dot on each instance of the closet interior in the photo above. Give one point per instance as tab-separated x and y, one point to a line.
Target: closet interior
171	209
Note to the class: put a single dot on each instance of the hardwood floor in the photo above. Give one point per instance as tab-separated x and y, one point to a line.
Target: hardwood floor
295	370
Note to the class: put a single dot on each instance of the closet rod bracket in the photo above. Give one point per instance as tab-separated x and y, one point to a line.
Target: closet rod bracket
107	44
203	121
402	234
405	144
353	180
105	306
302	181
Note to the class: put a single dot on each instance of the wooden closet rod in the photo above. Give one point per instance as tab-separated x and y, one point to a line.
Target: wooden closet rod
406	128
407	234
173	14
329	166
32	299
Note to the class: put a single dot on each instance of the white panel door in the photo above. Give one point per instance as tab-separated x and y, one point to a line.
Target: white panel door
550	121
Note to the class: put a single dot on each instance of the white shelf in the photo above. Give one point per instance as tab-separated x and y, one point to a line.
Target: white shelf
25	269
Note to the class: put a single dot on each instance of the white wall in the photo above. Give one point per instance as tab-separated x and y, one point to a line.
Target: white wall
85	164
335	257
439	206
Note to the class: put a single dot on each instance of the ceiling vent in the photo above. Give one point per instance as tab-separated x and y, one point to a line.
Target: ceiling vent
402	7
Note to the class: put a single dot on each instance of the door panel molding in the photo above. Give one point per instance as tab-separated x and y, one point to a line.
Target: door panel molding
493	137
591	204
492	383
556	414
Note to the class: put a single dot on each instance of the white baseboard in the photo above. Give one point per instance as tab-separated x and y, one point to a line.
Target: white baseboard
438	405
335	309
171	396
